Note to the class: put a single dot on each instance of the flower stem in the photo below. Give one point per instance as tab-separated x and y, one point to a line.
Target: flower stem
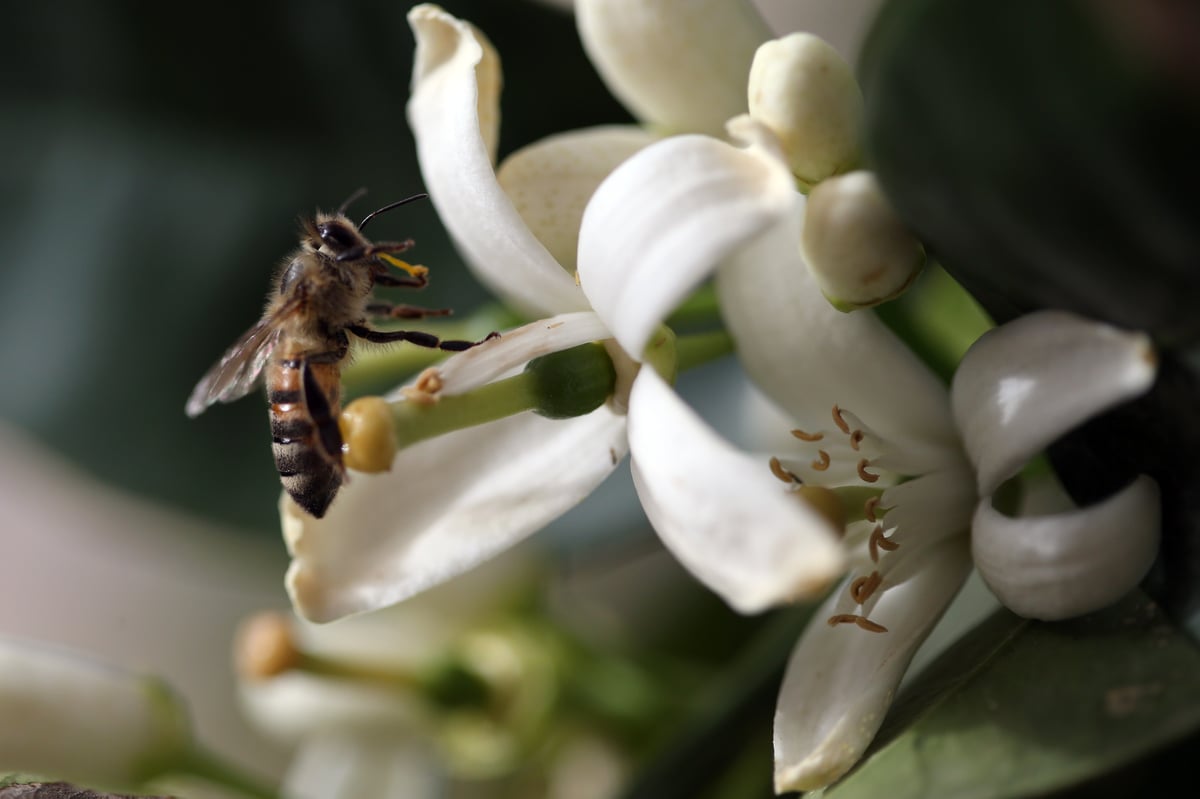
700	348
212	768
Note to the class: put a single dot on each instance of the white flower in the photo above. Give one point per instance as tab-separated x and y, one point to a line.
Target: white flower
871	422
449	504
73	718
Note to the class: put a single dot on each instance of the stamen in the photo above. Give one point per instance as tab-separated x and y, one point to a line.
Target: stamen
782	473
863	474
870	626
803	436
869	508
839	421
822	462
877	542
856	438
861	621
862	588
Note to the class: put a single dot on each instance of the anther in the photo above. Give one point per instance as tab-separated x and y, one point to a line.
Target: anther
862	588
822	461
863	474
868	625
803	436
839	421
842	618
856	438
877	541
782	473
869	508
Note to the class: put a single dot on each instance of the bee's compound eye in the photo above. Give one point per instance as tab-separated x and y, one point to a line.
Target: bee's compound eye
291	275
336	236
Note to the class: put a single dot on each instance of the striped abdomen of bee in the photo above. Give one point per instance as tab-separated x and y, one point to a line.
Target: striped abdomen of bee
304	395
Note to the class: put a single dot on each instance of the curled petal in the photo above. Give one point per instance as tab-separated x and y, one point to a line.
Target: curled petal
551	181
453	115
808	357
1067	564
678	65
664	219
841	679
721	512
477	366
1025	383
448	504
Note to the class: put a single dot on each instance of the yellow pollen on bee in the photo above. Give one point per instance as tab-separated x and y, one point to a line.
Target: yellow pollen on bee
416	270
803	436
822	461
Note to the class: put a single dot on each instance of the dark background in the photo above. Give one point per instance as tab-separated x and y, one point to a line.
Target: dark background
154	170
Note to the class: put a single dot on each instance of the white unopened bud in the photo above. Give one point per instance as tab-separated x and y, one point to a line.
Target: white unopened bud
857	248
71	718
806	93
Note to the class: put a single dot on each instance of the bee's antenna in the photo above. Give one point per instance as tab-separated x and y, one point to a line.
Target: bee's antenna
389	207
359	192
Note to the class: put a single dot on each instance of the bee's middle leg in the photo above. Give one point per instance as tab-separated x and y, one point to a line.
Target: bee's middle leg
399	311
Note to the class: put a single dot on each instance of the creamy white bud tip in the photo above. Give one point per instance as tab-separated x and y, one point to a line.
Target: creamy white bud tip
806	93
858	250
71	718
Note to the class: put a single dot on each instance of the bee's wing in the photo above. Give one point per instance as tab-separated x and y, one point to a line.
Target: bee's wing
238	371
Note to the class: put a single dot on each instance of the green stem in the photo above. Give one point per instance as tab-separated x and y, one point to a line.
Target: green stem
415	421
211	768
700	348
701	308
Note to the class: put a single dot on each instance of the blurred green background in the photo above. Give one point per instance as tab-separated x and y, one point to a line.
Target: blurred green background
157	160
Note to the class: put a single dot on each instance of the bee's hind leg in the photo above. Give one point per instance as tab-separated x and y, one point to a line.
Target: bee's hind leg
420	338
389	310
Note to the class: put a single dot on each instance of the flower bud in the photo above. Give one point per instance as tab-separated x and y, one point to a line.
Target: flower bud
858	250
805	92
572	382
76	719
367	429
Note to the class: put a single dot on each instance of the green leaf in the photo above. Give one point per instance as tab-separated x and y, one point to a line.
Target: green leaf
1045	152
1019	708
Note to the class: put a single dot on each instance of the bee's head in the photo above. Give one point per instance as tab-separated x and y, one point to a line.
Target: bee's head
333	235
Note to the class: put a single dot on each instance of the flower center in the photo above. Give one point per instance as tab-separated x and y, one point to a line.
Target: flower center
843	486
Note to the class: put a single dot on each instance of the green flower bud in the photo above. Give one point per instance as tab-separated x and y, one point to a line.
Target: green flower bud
572	382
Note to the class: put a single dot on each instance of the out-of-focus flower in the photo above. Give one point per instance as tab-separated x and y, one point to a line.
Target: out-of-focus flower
912	468
73	718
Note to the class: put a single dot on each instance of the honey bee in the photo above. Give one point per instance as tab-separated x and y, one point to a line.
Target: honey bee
321	296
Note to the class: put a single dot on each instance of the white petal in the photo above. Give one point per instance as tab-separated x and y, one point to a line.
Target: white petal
1025	383
447	505
70	717
721	512
843	23
477	366
551	181
807	356
841	680
1067	564
930	508
381	766
660	224
453	115
678	65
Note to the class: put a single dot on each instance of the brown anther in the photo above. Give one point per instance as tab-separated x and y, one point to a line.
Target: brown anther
869	508
862	588
839	421
803	436
782	473
861	621
870	626
877	542
264	646
863	474
822	461
856	438
426	388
